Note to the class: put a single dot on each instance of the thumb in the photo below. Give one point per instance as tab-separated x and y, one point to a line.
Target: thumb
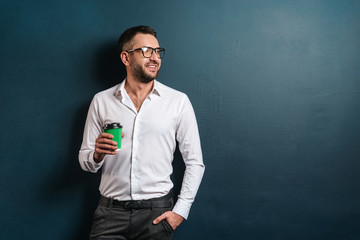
159	219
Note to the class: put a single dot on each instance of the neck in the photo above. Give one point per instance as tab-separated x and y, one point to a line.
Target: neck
138	88
137	91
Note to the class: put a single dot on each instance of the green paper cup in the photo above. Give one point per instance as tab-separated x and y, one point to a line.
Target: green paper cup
114	129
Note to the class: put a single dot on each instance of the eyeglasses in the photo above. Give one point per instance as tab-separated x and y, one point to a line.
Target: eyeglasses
147	52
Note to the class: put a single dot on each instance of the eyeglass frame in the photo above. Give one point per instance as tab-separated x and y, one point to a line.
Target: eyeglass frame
152	51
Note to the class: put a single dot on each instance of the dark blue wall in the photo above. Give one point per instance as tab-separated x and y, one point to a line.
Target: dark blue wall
275	85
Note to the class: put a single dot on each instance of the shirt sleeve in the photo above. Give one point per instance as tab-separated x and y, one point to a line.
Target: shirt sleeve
91	131
188	138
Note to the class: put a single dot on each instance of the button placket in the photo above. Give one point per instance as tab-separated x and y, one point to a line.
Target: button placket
134	163
135	188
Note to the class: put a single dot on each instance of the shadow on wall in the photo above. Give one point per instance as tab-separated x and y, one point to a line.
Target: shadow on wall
108	68
107	71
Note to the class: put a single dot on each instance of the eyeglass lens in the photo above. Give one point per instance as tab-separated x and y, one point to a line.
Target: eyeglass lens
148	52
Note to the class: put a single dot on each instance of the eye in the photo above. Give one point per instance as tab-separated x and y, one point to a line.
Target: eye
145	49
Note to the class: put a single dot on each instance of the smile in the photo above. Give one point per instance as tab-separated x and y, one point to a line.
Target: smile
152	67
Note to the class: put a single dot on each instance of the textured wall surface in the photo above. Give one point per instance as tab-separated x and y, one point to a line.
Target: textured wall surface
274	84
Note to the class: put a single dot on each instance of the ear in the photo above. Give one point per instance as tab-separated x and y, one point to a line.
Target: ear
124	56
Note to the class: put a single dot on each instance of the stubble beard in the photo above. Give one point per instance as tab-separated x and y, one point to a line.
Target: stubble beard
140	74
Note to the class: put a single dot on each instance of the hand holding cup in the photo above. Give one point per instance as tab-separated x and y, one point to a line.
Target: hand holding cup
108	142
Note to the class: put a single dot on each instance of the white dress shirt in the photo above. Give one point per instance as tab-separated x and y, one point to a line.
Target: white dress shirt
142	168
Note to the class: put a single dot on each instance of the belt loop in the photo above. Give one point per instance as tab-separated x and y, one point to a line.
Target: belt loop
152	204
110	203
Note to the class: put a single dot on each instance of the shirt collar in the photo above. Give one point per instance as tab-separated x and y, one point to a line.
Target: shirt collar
156	88
121	92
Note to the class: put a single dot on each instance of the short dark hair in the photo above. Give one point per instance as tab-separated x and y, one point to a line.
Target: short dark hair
130	33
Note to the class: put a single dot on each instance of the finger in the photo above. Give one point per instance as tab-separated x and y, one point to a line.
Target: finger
104	151
106	135
106	146
105	141
103	137
160	218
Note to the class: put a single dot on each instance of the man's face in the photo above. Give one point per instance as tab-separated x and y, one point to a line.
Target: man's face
144	69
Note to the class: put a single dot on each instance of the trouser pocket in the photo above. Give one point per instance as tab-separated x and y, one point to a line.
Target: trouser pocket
167	227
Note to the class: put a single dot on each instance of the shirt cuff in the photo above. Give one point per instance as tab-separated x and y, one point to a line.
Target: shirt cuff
182	208
95	165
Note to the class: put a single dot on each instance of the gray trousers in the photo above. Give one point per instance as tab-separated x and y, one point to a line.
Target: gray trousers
119	222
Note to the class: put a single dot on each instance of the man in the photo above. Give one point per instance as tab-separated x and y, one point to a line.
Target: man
136	190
